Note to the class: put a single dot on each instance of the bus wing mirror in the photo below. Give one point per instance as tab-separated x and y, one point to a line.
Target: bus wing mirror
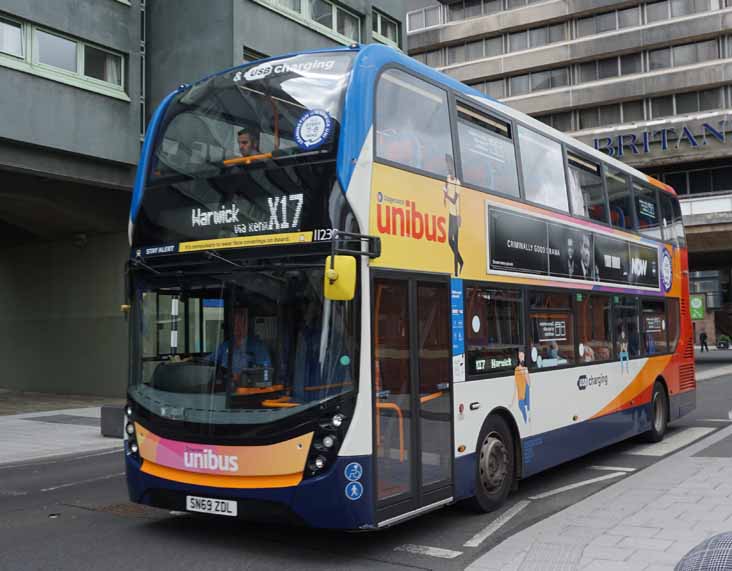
339	282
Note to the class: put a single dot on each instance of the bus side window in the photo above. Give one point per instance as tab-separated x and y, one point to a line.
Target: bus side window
646	208
668	222
618	196
586	194
412	123
653	321
487	153
542	169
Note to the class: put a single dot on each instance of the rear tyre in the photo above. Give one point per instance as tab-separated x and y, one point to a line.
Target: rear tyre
659	414
495	465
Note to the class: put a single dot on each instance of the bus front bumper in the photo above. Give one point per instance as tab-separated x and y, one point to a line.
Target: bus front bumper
322	501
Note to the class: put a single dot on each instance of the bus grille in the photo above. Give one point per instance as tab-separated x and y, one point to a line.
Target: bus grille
687	379
689	351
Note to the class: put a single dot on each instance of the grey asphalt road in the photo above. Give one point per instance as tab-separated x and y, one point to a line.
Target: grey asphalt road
73	514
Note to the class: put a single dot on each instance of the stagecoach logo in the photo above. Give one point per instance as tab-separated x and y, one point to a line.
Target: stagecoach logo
207	459
208	217
667	275
313	129
585	381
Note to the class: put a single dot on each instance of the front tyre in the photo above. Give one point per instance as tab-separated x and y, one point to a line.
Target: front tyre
495	466
659	414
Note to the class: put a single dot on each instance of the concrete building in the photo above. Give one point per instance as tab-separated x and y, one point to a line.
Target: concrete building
649	82
78	81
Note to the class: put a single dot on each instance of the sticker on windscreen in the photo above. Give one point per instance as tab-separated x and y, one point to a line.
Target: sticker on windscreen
313	129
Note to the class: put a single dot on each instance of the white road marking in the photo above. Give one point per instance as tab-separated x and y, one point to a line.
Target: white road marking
671	443
577	485
90	480
496	524
430	551
613	468
715	420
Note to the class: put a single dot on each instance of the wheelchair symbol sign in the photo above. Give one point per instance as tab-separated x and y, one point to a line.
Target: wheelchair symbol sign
354	490
353	472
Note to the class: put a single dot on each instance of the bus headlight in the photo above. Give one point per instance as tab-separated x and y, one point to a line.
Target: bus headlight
133	448
329	435
130	429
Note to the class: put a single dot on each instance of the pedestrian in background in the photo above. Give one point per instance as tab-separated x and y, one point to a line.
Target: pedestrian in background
703	341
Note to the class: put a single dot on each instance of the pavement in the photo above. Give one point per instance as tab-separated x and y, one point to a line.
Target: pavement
38	426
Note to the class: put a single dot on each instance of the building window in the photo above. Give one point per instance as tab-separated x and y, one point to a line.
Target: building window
657	11
249	55
102	65
536	37
11	38
538	81
335	18
385	29
78	58
56	51
608	21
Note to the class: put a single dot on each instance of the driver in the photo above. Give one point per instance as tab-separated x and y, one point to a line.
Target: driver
248	140
249	351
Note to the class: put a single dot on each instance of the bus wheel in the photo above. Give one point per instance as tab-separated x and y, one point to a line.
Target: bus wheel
659	414
494	466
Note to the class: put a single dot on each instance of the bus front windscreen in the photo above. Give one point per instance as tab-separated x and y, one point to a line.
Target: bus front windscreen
247	152
249	348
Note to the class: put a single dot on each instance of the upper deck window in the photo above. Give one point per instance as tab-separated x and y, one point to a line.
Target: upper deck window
618	196
585	189
486	152
250	151
543	170
413	124
646	208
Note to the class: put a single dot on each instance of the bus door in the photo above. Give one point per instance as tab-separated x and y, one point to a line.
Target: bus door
412	392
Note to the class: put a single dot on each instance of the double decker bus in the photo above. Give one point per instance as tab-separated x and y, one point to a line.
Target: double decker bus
361	290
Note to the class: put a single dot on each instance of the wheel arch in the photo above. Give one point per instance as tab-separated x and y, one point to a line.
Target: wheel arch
506	415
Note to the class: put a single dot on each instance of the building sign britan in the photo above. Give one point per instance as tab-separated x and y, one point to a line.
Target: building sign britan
666	138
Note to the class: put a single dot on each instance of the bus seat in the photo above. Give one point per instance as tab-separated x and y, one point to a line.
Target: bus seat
617	216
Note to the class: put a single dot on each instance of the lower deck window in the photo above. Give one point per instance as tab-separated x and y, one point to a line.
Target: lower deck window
494	333
551	339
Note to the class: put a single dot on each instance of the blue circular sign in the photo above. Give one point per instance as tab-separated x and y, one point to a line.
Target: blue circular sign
667	274
354	491
313	129
353	471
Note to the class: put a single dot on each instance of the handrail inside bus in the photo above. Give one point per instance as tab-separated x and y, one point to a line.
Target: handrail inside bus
247	160
395	408
432	396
